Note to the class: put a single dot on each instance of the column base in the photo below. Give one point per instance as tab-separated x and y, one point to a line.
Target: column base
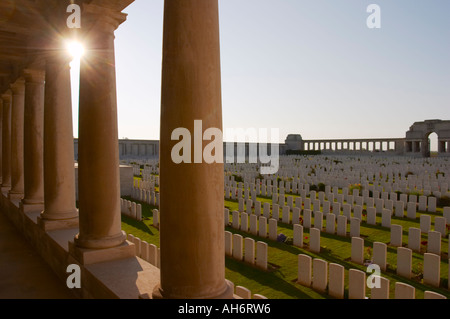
93	256
159	294
5	189
100	243
49	225
28	208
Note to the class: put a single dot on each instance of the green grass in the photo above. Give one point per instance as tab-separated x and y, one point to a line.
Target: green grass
280	281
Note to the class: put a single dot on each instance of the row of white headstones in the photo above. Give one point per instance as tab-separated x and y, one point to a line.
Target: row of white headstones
152	254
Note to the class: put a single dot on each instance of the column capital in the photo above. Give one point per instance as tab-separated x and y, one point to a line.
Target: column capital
18	87
34	75
105	17
7	96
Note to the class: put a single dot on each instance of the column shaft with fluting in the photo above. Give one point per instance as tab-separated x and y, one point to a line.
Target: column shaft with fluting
6	141
59	172
191	202
33	138
98	150
17	125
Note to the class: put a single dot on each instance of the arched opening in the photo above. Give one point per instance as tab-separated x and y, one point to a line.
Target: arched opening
432	148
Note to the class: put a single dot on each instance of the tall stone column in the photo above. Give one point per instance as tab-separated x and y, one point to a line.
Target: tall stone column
98	153
6	142
59	174
33	141
17	125
191	202
1	123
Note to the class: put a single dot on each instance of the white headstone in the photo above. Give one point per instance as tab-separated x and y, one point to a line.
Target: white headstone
298	235
273	229
331	224
307	218
414	239
249	250
318	220
399	209
236	219
386	218
371	216
404	291
411	210
296	215
379	255
355	226
261	255
336	281
432	269
381	292
320	275
262	232
357	250
286	215
404	262
432	204
266	210
243	292
275	211
356	284
440	225
244	222
433	295
342	225
304	270
396	235
228	243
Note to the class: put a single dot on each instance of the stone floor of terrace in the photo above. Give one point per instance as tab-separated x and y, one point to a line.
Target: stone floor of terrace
24	274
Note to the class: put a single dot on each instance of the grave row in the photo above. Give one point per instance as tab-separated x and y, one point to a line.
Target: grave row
244	249
431	264
329	278
146	251
152	254
146	196
131	209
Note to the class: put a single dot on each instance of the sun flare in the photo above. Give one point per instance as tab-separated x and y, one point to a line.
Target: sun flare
75	49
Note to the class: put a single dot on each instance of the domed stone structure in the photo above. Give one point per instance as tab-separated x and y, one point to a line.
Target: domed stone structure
294	142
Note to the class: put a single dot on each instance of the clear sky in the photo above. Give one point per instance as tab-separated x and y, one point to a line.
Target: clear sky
309	67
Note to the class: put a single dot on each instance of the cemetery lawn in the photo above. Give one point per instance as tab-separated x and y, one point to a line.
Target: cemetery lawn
279	282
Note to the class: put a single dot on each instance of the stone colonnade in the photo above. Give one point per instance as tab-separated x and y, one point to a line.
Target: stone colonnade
37	153
381	145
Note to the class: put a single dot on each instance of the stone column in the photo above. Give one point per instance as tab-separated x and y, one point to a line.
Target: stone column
17	125
98	147
59	175
441	146
33	141
448	147
1	122
193	257
6	142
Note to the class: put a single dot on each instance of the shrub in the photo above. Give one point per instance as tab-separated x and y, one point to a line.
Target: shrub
321	187
443	201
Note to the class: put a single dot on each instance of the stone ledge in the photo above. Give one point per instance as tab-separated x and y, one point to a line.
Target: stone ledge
93	256
125	278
